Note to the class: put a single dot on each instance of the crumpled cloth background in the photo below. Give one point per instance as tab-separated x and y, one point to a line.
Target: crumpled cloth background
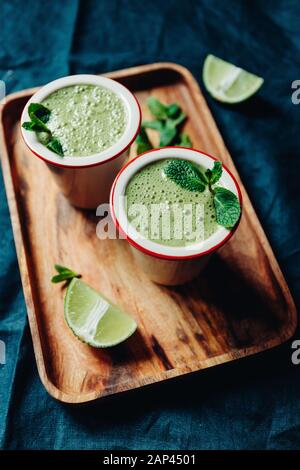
250	404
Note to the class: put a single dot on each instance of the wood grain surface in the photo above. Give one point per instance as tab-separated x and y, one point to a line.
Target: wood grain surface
238	306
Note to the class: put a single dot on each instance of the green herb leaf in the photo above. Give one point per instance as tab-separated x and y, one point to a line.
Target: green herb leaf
62	278
61	269
143	142
167	134
166	128
227	207
162	111
156	124
173	110
157	108
55	146
28	125
39	115
64	274
40	111
184	140
40	125
216	172
185	174
179	120
32	126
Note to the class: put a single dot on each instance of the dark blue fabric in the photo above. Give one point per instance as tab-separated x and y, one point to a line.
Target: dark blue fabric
251	404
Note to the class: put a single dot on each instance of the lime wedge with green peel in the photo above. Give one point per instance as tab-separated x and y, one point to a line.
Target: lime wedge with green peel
228	83
93	319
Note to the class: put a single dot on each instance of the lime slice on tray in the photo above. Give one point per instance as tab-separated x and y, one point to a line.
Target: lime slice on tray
228	83
93	319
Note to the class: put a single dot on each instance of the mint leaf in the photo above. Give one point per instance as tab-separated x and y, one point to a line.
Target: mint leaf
215	174
61	269
40	111
28	125
184	140
227	207
167	134
162	111
39	115
55	146
64	274
32	126
166	128
62	278
173	110
156	124
40	125
185	174
143	142
178	120
157	108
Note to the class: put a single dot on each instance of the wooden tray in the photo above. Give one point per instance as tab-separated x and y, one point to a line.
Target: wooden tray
239	306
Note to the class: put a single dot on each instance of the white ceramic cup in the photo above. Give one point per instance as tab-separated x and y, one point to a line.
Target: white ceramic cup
165	264
86	181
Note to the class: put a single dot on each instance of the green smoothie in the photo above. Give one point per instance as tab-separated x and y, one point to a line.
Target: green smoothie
86	119
166	213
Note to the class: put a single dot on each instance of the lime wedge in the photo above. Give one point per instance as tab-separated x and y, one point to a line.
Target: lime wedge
93	319
228	83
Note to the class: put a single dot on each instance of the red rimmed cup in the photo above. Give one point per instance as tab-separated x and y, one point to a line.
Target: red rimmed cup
86	180
168	265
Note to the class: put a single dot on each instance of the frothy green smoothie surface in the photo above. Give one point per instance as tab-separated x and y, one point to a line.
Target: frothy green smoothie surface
169	215
86	119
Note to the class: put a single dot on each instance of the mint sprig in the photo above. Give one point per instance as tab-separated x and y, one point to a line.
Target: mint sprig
168	121
64	274
39	115
186	175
